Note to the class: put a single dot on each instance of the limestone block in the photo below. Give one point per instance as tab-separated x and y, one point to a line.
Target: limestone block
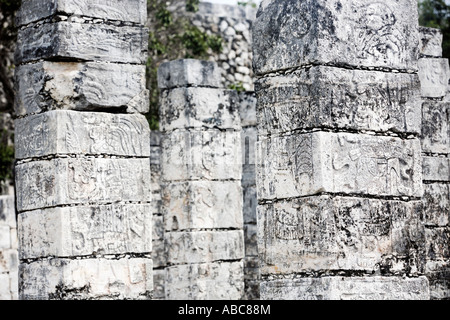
311	163
83	86
159	277
82	41
201	154
199	108
340	233
291	33
346	288
99	278
247	108
189	73
435	136
8	261
438	243
86	133
333	97
159	255
158	227
80	231
64	181
249	204
248	141
5	237
251	240
436	168
438	274
128	11
204	246
251	268
436	204
430	42
194	205
7	211
434	74
5	290
205	281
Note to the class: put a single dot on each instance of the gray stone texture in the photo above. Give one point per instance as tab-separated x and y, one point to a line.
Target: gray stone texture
430	42
207	154
8	249
331	97
84	231
80	86
343	288
196	205
205	281
187	73
435	137
312	163
82	41
134	11
86	279
436	204
436	169
291	33
189	107
434	76
326	234
82	133
65	181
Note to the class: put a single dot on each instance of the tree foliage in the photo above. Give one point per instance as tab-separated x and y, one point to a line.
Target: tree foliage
436	14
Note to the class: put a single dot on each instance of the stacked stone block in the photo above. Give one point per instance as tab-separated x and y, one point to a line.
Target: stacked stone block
201	177
83	151
8	250
339	166
247	110
434	76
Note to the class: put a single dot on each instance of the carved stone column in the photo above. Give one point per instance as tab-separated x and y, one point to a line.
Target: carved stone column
201	176
339	176
83	150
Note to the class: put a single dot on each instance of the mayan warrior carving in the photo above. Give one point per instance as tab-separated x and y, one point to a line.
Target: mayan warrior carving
201	175
83	151
339	164
435	140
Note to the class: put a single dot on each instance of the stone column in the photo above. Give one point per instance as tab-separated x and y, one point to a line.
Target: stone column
83	150
201	176
8	249
339	176
247	111
434	77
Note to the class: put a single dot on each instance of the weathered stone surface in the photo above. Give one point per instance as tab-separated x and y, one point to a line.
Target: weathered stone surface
436	204
249	204
204	246
248	142
56	279
129	10
438	243
434	74
159	255
342	288
438	274
435	137
5	237
79	231
83	86
339	98
247	108
188	73
306	164
63	181
291	33
205	281
194	205
159	277
430	42
82	41
341	233
72	132
7	211
251	240
201	154
183	108
436	168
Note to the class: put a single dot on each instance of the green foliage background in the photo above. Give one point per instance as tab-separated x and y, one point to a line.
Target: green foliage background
436	14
